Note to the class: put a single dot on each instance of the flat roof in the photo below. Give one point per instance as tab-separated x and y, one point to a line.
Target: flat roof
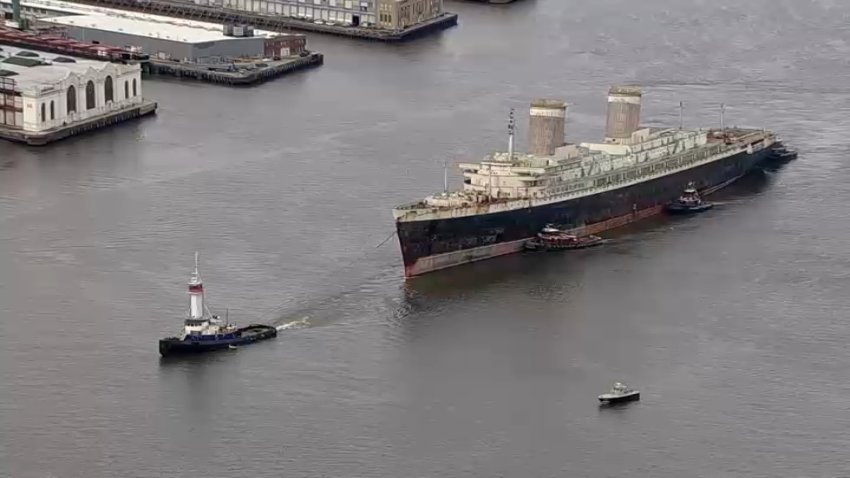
164	29
114	19
28	77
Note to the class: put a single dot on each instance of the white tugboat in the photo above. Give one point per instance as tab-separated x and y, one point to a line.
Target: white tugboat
620	392
204	332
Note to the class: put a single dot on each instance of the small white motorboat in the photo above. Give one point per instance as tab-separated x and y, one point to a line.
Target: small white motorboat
620	392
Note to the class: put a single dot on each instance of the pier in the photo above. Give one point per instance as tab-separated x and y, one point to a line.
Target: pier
41	138
241	76
193	11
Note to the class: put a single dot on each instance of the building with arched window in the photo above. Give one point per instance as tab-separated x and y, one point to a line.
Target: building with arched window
107	89
51	91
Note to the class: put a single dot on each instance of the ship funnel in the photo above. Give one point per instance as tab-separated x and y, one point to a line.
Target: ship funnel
623	112
546	126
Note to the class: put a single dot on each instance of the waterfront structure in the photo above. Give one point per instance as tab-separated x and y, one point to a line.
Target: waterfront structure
45	96
375	14
584	188
388	14
381	20
229	54
168	38
56	42
36	9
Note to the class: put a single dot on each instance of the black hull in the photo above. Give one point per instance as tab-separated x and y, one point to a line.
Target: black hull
682	210
538	246
628	398
247	335
437	244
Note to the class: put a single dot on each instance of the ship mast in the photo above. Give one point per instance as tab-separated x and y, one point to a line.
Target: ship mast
722	111
681	115
445	177
196	294
511	131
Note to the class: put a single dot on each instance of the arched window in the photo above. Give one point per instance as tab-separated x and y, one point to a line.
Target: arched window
126	89
72	99
52	110
43	112
134	87
107	90
90	95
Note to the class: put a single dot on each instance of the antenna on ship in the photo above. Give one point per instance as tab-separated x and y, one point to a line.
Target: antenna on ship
511	130
445	177
681	114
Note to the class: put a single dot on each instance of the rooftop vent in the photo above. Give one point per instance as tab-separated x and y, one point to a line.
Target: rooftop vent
232	30
23	61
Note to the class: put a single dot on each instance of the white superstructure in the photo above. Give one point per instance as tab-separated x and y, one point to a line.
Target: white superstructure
200	322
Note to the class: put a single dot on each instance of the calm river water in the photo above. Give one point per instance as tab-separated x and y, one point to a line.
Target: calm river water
733	324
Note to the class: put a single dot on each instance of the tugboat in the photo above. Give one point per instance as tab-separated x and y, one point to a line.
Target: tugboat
551	238
620	392
689	202
780	153
205	332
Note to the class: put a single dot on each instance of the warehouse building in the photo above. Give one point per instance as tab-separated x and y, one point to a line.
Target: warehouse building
43	91
177	39
386	14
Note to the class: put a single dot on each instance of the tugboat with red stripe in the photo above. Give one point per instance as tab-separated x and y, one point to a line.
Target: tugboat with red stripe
205	332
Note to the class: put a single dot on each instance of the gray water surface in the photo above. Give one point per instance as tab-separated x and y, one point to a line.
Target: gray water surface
732	324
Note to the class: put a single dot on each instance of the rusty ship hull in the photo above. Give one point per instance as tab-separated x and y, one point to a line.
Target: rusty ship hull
431	245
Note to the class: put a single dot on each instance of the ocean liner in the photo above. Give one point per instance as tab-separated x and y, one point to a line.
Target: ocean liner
586	187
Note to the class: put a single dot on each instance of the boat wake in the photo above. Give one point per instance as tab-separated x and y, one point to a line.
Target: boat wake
295	324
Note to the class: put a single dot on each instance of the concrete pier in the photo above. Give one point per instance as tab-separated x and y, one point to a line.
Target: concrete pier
274	22
241	77
42	138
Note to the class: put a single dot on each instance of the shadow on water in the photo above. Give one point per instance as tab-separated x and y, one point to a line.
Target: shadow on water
530	271
6	163
753	184
619	407
776	165
196	363
512	6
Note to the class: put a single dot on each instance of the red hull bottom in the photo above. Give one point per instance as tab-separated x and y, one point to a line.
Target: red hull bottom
444	261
